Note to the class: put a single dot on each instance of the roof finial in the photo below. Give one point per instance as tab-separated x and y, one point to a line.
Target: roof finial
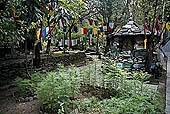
131	17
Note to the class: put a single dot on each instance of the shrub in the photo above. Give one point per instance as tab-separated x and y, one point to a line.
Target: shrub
55	91
27	87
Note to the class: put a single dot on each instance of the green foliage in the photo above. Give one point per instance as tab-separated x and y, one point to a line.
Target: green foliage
76	35
56	90
27	87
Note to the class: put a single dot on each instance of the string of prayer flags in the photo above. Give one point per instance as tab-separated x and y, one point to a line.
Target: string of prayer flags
111	25
90	21
95	31
85	30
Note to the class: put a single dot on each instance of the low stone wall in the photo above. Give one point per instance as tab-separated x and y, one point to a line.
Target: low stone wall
10	70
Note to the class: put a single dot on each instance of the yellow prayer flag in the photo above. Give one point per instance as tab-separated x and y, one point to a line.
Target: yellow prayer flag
168	26
56	26
38	33
145	41
95	30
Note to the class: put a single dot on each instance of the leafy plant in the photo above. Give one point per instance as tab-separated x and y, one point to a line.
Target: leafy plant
56	90
27	87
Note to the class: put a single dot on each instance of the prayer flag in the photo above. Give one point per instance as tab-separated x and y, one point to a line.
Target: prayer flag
95	30
47	30
44	32
38	33
51	13
90	21
70	43
85	30
105	28
168	26
56	26
111	25
157	26
109	28
101	29
62	42
75	29
51	30
80	31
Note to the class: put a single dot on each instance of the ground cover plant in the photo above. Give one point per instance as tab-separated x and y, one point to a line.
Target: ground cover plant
91	89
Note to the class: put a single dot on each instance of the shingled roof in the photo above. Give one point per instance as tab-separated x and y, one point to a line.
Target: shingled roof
131	28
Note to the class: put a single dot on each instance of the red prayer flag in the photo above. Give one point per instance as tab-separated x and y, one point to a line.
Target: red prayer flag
59	40
85	30
51	30
109	28
90	21
157	25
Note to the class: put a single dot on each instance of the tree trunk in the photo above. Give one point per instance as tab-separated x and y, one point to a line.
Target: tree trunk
37	55
150	42
69	38
26	57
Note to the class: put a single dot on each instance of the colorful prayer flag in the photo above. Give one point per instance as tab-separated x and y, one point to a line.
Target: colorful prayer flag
85	30
38	33
90	21
111	25
101	29
44	32
94	30
75	29
51	13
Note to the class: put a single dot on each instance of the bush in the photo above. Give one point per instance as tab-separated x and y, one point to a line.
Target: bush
56	90
27	87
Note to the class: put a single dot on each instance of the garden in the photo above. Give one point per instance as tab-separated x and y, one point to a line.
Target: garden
83	56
